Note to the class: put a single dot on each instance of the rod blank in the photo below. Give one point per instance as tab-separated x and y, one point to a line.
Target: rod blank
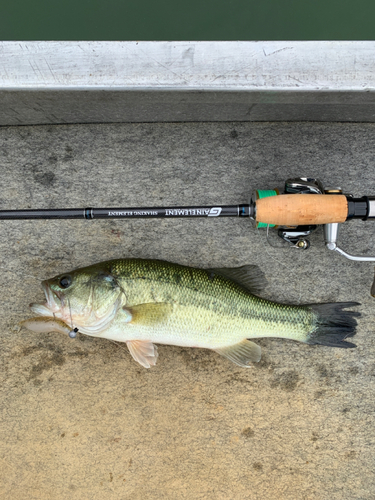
128	213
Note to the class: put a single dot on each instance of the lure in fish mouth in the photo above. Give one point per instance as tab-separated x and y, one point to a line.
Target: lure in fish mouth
80	300
52	306
148	302
55	305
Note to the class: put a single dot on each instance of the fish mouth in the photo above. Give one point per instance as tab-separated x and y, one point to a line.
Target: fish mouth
53	303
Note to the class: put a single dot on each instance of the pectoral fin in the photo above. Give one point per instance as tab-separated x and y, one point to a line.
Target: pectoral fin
143	351
242	354
147	314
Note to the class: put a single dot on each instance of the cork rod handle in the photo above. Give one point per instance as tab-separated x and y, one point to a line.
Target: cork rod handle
302	209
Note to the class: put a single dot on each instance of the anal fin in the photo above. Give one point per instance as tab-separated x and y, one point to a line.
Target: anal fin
242	354
143	351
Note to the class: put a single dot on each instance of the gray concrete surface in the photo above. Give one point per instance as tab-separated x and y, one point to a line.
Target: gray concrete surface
81	420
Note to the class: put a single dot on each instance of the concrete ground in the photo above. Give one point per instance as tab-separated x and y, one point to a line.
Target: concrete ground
81	420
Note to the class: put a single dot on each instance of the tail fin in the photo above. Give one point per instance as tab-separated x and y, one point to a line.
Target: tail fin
334	325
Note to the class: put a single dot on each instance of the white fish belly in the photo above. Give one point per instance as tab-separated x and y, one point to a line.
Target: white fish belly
187	327
191	326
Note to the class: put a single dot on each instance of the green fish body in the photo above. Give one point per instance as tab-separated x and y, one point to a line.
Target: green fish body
147	302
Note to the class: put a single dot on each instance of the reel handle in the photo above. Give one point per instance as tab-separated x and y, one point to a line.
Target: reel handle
331	232
302	209
312	209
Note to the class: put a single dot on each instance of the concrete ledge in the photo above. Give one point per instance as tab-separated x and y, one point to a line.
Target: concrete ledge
88	82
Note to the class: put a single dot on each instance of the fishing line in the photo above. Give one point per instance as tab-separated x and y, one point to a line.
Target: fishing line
279	247
118	344
73	332
272	257
300	280
267	252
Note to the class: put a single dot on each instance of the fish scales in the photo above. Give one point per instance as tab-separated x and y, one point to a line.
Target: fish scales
142	302
228	308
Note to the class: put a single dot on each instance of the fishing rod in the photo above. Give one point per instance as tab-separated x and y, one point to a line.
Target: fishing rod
295	213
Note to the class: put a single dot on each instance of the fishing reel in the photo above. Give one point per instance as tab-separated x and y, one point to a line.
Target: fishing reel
297	235
296	213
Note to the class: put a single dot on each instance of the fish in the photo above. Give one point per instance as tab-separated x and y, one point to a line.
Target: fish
147	302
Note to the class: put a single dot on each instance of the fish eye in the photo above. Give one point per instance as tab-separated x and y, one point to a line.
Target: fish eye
65	281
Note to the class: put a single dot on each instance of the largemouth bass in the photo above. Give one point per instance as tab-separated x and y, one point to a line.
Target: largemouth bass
143	302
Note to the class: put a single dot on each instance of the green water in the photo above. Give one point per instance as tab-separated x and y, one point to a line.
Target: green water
192	20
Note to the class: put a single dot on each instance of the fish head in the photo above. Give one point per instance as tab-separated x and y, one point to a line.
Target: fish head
84	297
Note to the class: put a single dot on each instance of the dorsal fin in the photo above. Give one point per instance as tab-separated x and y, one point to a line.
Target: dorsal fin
250	277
